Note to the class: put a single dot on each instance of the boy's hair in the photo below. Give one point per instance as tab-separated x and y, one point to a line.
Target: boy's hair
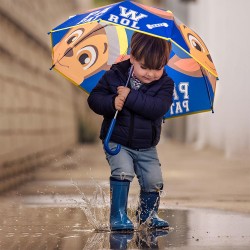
154	51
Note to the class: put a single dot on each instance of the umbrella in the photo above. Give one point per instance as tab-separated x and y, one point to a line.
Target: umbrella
86	45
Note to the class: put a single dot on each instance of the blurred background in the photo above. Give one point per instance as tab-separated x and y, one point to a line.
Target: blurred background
42	115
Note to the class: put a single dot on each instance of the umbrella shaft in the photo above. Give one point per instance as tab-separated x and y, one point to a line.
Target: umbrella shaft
129	75
116	113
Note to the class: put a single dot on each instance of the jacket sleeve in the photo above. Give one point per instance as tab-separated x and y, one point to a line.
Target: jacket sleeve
101	98
151	107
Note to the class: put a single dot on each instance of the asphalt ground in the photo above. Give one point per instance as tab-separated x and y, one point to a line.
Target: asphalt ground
205	199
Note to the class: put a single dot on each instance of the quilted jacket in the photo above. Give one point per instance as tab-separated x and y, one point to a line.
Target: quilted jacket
138	124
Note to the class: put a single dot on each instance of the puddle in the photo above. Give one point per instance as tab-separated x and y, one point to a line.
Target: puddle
81	221
37	227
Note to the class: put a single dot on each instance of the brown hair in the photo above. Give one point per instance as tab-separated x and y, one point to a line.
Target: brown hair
154	51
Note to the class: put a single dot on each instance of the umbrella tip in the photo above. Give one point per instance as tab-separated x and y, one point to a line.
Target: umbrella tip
49	32
52	67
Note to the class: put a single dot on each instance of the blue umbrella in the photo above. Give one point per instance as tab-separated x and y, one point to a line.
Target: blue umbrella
86	45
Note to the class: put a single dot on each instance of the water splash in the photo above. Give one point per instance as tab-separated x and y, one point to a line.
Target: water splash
95	207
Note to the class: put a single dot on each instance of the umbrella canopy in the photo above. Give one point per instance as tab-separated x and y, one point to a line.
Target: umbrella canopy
86	45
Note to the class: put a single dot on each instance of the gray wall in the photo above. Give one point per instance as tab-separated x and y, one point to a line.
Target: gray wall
39	109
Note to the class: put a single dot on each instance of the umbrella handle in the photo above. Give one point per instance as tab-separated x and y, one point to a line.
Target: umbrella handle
111	127
106	141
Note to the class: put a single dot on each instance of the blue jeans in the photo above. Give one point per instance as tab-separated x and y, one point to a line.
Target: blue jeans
143	163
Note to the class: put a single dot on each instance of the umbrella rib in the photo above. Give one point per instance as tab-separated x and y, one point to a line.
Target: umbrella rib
208	92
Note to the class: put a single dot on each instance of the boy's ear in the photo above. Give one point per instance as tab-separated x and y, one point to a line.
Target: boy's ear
132	59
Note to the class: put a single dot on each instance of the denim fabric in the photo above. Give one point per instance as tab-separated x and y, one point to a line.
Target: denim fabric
143	163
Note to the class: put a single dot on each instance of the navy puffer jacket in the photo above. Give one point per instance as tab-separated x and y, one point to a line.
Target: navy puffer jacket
138	125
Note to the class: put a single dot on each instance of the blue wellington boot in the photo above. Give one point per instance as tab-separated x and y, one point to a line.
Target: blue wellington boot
148	211
118	205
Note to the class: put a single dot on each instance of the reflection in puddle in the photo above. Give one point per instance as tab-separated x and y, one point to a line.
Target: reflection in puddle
30	227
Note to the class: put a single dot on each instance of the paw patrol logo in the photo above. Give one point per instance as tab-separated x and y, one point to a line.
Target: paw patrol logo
127	17
181	100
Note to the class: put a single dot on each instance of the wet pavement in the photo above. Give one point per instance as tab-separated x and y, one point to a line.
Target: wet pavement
67	207
62	222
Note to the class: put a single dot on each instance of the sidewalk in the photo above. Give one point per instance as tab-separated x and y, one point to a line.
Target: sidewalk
192	178
205	178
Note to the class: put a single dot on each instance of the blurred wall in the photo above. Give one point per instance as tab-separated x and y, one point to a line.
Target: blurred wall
224	26
40	112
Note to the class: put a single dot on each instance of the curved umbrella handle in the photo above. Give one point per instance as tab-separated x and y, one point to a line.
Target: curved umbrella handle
111	127
106	141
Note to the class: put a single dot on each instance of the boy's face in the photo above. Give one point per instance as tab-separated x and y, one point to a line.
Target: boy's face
144	74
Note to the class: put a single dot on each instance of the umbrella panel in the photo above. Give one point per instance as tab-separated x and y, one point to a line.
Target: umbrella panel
84	48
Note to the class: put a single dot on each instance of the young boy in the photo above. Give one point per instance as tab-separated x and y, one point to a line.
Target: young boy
138	126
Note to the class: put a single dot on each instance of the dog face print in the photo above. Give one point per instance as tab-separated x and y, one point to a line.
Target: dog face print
82	52
198	48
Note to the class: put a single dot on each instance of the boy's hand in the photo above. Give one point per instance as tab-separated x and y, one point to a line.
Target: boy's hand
119	102
123	91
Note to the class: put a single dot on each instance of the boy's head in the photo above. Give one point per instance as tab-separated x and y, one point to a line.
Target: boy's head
153	51
149	55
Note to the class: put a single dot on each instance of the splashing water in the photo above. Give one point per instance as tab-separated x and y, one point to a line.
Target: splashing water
95	208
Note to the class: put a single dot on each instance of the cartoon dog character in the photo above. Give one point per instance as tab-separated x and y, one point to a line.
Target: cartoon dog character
199	51
198	48
88	49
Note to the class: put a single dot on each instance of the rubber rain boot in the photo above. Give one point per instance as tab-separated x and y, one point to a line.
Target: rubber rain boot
118	205
148	211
